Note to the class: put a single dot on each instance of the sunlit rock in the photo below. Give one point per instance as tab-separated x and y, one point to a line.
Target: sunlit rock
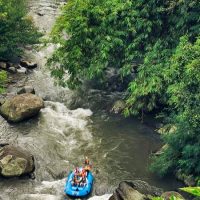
21	107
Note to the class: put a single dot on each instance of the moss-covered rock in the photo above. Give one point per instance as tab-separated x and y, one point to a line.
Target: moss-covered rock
118	107
14	161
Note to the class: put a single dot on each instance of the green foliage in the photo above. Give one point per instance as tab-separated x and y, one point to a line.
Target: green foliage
3	78
95	35
184	100
192	190
16	29
102	34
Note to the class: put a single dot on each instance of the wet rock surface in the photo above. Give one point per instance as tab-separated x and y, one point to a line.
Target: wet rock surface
26	89
15	161
118	107
28	64
135	190
21	107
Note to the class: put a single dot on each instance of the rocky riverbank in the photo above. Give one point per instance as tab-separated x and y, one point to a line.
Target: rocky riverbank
141	190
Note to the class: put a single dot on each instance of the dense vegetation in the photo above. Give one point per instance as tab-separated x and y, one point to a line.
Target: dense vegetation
161	38
16	28
184	103
16	31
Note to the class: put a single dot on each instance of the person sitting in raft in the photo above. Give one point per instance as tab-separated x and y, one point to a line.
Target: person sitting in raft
76	172
83	173
83	181
86	162
75	181
87	165
83	178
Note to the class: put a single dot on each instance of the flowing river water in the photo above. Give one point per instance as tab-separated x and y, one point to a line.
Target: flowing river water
60	136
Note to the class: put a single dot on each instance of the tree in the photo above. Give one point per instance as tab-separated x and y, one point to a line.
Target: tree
16	28
184	100
95	35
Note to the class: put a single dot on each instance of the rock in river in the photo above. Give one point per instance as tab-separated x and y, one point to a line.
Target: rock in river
126	192
27	64
135	190
3	65
15	161
118	107
26	89
21	107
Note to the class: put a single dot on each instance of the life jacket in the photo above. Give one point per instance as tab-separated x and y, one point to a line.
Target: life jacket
83	174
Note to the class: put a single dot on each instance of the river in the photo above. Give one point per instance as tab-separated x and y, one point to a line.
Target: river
74	124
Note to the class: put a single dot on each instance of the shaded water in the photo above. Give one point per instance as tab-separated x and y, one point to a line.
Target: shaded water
60	136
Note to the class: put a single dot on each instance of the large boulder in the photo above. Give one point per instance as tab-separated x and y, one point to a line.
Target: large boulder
21	107
126	192
135	190
15	161
145	188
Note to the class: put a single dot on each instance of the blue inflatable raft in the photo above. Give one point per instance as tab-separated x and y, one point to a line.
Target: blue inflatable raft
79	191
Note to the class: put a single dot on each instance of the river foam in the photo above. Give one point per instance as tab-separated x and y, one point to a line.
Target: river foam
61	119
53	190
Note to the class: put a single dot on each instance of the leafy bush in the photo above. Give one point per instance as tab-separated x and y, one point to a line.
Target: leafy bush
192	190
16	29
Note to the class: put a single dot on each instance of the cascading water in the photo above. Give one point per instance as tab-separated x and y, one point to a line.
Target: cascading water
60	137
